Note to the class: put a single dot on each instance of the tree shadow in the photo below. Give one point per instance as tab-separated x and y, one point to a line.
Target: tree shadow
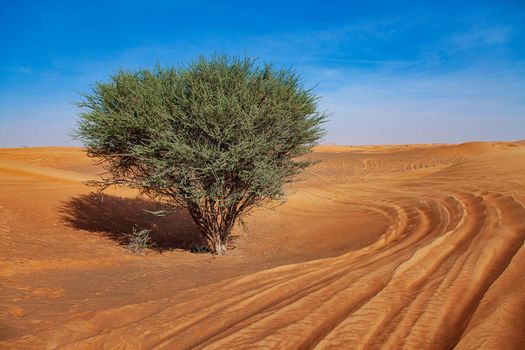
115	218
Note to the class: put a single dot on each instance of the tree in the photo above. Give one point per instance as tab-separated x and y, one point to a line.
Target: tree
217	137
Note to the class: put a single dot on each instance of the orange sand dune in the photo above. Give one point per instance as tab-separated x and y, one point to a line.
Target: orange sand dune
379	247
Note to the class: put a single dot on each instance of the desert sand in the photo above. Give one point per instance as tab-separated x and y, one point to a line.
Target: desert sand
378	247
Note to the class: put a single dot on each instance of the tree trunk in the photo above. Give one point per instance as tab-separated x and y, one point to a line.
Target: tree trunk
215	244
216	229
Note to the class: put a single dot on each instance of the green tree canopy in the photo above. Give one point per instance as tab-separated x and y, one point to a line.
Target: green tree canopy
217	137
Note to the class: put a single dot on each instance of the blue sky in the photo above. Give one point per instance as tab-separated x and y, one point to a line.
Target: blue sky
388	71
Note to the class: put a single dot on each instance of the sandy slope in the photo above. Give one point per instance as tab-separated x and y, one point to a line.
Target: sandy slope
417	247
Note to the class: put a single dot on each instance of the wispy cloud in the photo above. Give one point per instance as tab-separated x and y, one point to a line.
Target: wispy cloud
454	107
18	69
481	38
